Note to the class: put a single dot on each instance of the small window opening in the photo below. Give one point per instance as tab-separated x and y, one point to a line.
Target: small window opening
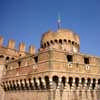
36	59
70	58
6	66
56	41
51	42
1	56
19	63
60	41
48	44
7	58
13	58
86	60
65	40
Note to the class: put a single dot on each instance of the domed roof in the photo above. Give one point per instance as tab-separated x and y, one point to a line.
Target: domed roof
60	34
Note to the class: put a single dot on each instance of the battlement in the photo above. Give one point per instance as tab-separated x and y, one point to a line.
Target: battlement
21	48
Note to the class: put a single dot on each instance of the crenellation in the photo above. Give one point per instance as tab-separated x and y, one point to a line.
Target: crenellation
11	44
22	47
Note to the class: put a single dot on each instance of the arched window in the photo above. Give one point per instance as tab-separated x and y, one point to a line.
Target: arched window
1	56
63	80
70	81
56	41
51	42
55	79
47	82
48	43
7	58
65	40
60	41
76	81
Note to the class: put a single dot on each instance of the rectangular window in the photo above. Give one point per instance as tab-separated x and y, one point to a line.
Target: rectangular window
36	59
86	60
69	58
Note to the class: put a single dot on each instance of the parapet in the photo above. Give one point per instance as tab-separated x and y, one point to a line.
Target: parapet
21	48
11	44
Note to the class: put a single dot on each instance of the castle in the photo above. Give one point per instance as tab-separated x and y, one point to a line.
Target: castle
57	71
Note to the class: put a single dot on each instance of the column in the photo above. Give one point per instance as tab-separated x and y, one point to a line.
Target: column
84	91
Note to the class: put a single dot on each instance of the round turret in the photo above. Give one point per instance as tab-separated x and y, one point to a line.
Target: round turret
63	39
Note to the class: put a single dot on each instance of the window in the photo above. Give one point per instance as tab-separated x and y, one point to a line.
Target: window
69	58
86	60
36	59
19	63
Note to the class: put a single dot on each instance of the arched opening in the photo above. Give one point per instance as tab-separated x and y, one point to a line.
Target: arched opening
60	41
51	42
72	42
7	58
48	43
94	82
69	41
19	63
88	82
99	83
41	84
35	83
63	80
1	56
30	84
70	81
13	58
83	81
56	41
77	81
65	40
22	86
56	79
47	82
44	45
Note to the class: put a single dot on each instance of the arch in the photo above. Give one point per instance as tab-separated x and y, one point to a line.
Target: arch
12	58
47	82
7	58
41	84
70	81
76	81
44	45
64	80
73	42
99	81
65	40
1	56
60	41
83	80
48	43
56	41
35	83
56	79
51	42
88	81
69	41
94	82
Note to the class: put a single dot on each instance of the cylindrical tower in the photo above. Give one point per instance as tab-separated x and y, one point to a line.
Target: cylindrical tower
63	39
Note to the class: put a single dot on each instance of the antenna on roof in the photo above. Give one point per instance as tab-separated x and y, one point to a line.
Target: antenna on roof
59	21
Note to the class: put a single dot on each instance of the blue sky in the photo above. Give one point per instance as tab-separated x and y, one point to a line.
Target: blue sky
27	20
